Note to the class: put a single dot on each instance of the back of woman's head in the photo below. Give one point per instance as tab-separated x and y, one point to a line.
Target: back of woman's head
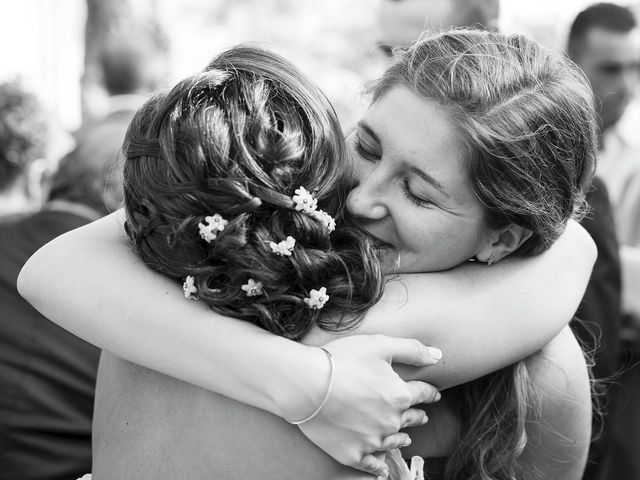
237	140
526	116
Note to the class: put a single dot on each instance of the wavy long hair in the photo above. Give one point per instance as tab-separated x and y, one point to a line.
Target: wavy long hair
527	119
237	139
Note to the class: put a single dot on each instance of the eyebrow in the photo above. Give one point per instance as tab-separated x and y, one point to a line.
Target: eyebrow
424	175
429	179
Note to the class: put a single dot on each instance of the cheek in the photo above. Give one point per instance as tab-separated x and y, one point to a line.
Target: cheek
438	243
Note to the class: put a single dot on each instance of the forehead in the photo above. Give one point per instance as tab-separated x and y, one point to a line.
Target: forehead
612	46
418	133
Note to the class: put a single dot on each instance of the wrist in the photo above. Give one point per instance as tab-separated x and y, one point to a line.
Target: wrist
302	382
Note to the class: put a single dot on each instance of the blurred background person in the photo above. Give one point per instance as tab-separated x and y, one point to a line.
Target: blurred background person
604	40
129	69
47	375
23	141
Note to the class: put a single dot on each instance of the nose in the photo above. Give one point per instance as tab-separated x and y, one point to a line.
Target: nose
367	200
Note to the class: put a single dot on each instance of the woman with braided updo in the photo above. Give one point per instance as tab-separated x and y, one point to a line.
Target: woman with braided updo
216	173
476	146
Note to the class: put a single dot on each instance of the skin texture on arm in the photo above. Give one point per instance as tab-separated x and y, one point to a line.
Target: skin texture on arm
177	421
559	424
127	326
559	434
449	309
236	359
141	325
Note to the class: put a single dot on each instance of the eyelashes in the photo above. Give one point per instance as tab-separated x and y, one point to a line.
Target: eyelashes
363	152
418	202
406	191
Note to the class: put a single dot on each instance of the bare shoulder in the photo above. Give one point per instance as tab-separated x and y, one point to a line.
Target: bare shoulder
560	431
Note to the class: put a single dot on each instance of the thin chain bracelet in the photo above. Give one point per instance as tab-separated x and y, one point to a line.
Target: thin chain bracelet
326	396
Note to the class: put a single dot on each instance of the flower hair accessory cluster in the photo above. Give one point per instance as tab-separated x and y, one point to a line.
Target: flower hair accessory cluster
317	298
189	288
253	288
213	224
304	202
285	247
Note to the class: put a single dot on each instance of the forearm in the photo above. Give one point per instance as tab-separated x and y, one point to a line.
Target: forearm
484	318
186	340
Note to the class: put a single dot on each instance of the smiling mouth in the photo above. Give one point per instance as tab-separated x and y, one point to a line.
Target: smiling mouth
387	254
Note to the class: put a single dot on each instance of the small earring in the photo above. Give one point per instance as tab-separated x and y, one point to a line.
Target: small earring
491	258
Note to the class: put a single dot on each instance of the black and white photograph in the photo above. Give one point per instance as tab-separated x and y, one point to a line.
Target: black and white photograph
319	240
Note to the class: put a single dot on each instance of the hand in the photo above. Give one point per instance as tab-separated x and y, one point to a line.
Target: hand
369	402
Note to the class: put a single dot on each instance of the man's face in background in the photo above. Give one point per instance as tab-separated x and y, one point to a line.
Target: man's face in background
611	61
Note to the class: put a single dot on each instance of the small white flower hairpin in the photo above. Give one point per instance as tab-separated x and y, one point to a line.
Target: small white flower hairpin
214	224
317	298
253	288
326	219
283	248
304	200
189	288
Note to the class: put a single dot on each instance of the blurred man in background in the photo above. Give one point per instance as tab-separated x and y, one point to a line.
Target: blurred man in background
23	141
604	41
130	68
47	375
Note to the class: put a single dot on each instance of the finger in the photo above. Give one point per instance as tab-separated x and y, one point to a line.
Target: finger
374	466
397	440
410	352
413	417
422	392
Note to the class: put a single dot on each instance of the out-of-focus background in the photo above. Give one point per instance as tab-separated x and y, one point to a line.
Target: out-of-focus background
51	44
73	72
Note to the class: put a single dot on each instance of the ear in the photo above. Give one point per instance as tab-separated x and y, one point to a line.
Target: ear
503	242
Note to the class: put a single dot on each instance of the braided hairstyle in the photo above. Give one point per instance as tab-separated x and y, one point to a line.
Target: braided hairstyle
237	140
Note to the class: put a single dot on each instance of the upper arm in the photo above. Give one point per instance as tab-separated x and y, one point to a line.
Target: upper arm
480	317
484	318
560	432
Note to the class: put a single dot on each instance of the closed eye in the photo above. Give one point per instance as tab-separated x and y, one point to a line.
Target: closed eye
364	152
417	201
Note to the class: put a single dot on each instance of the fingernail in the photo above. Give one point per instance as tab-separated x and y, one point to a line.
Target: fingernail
425	420
437	397
435	353
406	443
384	474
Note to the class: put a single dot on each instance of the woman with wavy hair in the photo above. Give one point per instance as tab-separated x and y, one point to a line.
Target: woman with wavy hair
476	146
